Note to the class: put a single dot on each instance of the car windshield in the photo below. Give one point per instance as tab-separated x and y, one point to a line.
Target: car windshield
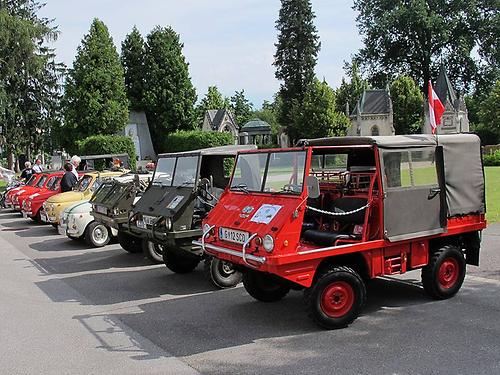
41	181
102	192
31	181
274	172
84	183
54	185
180	171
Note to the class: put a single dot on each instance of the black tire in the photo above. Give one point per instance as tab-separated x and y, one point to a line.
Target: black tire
129	243
97	234
336	297
222	274
153	251
178	263
264	287
444	275
55	225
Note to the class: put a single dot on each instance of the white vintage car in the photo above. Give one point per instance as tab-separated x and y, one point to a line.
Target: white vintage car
76	222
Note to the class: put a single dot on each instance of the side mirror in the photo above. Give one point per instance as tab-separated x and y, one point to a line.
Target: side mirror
312	187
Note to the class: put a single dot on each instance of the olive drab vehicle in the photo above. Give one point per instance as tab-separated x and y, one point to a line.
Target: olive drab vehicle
112	203
333	213
184	189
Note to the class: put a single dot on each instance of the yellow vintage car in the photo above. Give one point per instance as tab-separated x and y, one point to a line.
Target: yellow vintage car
88	183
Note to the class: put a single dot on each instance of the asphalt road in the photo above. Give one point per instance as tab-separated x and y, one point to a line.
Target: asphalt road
68	309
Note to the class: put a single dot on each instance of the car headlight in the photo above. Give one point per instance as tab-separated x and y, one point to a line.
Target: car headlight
116	211
168	223
268	243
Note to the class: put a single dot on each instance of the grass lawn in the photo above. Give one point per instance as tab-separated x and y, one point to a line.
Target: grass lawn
492	193
3	184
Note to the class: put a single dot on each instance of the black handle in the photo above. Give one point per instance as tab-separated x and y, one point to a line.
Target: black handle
433	192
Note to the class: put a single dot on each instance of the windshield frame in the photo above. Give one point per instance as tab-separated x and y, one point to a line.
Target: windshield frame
41	181
174	171
79	185
55	184
268	153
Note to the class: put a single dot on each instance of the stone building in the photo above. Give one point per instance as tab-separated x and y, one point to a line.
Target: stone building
372	114
255	132
220	120
137	128
455	118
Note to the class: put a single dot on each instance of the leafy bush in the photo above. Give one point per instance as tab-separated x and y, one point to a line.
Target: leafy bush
488	135
196	139
108	144
492	160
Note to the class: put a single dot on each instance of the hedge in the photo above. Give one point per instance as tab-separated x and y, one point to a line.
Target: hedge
492	160
108	144
196	139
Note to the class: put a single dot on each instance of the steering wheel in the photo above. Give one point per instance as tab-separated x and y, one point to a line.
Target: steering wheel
288	188
203	188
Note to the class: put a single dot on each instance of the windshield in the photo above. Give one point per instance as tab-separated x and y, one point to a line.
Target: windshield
41	181
181	173
102	192
84	183
54	185
275	172
31	181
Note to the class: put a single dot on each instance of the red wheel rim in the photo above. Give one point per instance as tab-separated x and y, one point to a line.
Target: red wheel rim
337	299
448	273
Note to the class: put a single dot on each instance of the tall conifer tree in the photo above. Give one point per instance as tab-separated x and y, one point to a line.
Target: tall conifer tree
133	66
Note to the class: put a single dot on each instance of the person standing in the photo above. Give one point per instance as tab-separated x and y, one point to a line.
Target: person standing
75	162
69	180
38	168
27	171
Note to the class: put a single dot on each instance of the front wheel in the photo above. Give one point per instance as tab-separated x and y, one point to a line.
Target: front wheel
336	298
153	251
222	274
97	234
129	243
178	263
443	277
264	287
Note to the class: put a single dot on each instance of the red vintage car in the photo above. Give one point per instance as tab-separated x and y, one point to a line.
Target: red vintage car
32	205
11	193
334	213
20	196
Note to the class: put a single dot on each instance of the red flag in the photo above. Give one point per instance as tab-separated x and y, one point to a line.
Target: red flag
436	108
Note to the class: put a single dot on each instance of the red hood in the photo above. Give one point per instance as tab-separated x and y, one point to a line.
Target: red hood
44	194
27	190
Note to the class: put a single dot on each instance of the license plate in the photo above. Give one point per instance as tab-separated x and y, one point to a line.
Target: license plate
25	215
149	220
44	217
141	224
61	230
101	210
232	235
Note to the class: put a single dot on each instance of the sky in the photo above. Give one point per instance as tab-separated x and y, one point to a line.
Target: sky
227	43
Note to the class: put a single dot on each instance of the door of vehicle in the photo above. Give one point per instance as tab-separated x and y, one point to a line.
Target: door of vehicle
414	202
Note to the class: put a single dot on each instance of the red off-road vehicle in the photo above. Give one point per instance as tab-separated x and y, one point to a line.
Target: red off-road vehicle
335	212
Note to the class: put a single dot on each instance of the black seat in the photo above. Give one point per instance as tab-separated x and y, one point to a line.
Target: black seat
340	205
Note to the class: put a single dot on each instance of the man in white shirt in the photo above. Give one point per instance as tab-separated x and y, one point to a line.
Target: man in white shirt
38	168
75	161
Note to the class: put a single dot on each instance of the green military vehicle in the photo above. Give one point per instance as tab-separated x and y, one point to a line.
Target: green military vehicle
184	189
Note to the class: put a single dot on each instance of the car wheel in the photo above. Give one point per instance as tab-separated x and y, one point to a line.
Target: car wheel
443	277
336	297
152	251
129	243
97	234
263	287
178	263
221	273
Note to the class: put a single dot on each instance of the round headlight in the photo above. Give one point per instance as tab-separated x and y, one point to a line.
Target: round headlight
168	223
268	243
116	211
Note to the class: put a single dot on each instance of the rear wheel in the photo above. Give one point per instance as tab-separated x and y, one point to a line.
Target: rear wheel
263	287
129	243
336	298
222	274
153	251
178	263
443	277
96	234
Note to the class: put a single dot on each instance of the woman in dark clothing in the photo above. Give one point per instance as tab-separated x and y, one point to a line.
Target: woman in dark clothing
69	180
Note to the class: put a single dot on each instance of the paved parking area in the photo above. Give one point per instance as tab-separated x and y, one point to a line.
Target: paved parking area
65	308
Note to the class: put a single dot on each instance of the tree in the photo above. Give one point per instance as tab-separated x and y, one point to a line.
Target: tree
414	37
169	96
317	116
296	54
241	107
490	109
95	98
213	99
407	104
348	93
132	59
29	78
269	113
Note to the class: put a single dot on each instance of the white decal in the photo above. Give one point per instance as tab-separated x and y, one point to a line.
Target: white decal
175	202
266	213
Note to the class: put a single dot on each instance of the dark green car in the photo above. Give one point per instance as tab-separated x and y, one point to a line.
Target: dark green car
184	189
